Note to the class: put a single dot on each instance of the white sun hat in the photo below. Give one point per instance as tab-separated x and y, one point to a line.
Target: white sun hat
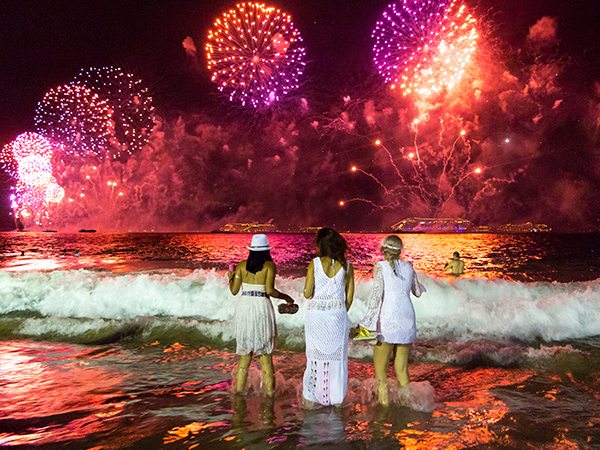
259	243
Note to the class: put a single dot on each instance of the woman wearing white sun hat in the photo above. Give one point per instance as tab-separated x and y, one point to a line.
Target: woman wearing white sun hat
255	329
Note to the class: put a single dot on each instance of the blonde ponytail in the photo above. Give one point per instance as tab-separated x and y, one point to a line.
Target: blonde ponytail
392	247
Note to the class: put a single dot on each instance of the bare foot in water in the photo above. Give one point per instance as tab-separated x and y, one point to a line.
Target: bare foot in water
308	404
383	396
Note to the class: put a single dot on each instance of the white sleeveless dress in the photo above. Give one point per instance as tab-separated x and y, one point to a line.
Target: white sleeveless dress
255	330
326	333
390	310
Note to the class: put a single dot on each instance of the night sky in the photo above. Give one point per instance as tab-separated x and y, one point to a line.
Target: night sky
44	43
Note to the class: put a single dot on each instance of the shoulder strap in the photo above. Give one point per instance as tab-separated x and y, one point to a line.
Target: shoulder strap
317	263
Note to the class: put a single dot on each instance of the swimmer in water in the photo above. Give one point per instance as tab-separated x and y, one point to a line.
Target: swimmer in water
456	265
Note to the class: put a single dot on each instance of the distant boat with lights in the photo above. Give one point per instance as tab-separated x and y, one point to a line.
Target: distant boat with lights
433	225
239	227
527	227
460	225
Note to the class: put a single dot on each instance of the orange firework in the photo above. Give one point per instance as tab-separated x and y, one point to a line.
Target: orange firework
255	54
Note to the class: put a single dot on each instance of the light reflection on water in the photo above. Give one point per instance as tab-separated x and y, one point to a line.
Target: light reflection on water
533	257
180	397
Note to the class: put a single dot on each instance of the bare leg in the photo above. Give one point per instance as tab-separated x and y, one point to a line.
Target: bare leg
242	373
267	411
381	358
268	374
240	410
401	363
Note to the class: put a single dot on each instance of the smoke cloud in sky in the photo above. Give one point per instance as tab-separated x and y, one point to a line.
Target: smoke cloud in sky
189	46
543	32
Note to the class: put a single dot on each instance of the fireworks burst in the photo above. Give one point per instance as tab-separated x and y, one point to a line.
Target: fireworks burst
132	108
54	193
434	179
34	170
28	160
23	146
77	118
31	202
255	54
423	47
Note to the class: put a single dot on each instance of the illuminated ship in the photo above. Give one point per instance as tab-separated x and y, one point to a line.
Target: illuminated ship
448	225
308	229
527	227
238	227
433	225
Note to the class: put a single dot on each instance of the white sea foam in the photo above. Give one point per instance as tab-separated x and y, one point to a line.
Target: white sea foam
466	309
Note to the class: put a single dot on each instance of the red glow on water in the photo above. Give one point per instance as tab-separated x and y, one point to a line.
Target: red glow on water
33	388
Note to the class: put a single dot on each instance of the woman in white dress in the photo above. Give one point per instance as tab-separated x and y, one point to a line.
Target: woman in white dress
329	289
391	315
255	330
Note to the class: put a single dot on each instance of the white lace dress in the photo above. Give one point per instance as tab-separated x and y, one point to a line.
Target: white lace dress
255	330
326	333
390	310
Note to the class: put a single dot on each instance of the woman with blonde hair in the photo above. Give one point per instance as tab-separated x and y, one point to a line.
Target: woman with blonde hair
390	315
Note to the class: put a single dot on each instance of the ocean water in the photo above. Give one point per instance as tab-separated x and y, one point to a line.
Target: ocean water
126	341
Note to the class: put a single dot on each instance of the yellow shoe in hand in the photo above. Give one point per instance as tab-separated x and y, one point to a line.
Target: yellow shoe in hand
364	335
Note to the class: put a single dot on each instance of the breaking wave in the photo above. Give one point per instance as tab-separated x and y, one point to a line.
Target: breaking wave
96	307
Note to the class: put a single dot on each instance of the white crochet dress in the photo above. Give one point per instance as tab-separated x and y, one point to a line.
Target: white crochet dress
326	334
390	310
255	330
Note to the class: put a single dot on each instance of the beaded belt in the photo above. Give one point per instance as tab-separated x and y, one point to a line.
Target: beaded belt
255	293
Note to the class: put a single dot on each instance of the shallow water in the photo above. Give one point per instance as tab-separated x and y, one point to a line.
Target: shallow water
129	344
522	257
178	396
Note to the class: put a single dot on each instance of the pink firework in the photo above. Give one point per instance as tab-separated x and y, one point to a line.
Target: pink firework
34	170
423	47
23	146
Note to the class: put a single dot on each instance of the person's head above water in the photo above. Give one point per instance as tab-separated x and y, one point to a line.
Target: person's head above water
391	247
331	243
456	255
259	253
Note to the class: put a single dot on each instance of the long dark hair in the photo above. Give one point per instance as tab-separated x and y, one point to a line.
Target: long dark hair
331	243
256	260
